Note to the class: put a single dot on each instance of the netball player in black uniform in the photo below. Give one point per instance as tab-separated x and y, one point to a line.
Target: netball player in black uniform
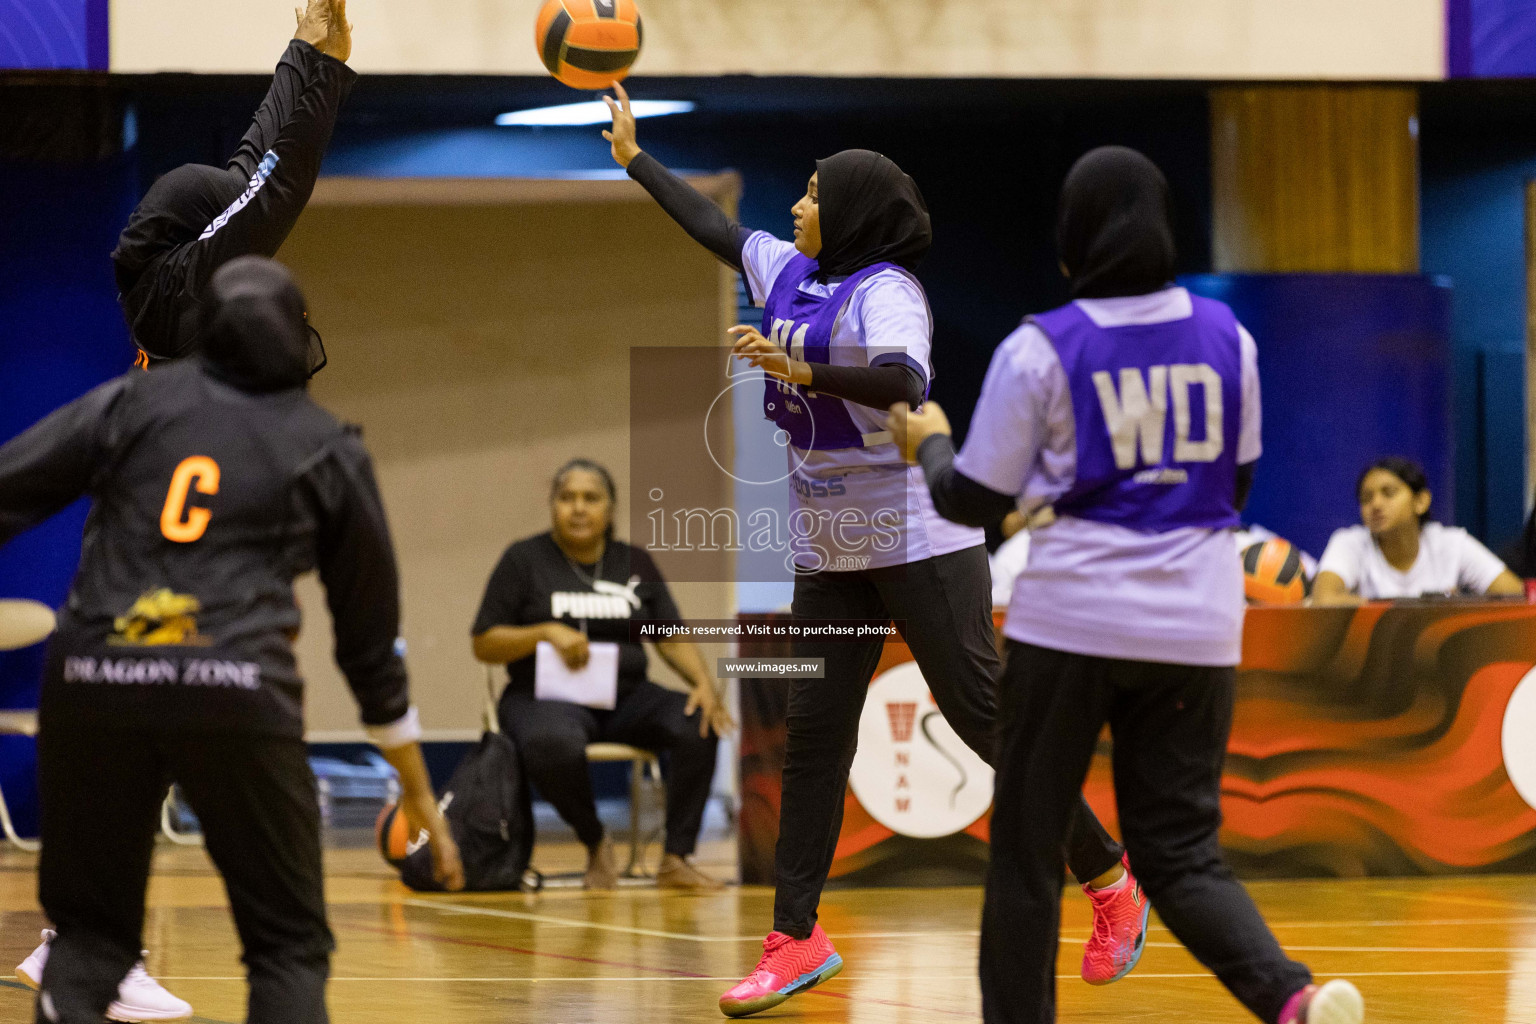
216	482
844	300
193	220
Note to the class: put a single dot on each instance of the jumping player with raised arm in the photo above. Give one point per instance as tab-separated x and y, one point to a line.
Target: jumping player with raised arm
192	221
844	297
1134	411
195	218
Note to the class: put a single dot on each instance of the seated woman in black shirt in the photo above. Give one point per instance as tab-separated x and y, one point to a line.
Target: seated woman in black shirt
576	584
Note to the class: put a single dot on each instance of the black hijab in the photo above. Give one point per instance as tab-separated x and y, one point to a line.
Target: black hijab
158	301
871	213
1114	225
254	333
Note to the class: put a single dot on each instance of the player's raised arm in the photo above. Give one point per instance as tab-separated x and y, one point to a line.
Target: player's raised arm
695	212
196	218
281	153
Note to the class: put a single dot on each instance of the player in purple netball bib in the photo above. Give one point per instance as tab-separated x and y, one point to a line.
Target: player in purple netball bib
846	332
1134	412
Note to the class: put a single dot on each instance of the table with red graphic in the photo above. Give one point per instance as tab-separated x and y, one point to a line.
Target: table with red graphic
1389	739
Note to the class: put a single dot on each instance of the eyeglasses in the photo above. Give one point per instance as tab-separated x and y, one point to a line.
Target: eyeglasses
317	358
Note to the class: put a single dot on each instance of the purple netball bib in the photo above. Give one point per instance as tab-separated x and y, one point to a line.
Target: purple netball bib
802	324
1158	412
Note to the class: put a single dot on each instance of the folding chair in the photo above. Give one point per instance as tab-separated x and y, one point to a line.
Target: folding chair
23	622
17	723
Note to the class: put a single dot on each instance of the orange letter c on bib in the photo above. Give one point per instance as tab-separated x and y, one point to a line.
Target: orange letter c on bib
178	522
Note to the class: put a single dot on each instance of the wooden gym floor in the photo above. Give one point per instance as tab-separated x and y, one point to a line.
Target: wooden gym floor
1447	951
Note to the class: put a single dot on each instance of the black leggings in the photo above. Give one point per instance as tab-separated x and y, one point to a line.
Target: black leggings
1170	725
255	798
552	736
943	607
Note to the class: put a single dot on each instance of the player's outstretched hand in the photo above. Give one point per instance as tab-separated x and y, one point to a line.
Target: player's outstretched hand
423	814
622	134
447	865
910	429
338	43
313	20
323	24
767	355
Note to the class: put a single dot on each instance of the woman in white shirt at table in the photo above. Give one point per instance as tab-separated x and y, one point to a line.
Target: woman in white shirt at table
1399	551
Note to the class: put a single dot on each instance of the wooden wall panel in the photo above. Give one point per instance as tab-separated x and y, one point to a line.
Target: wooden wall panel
481	345
1315	178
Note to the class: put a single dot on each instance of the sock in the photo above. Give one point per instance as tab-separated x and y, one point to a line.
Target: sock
1116	885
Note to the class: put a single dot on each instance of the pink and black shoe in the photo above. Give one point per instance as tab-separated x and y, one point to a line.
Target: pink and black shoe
788	966
1337	1002
1119	929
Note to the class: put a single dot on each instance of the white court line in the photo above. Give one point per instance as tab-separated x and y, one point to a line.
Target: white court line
514	915
872	978
1391	949
1466	901
971	933
566	922
1354	949
1345	974
1396	924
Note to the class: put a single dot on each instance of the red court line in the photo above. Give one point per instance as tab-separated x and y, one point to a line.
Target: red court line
501	947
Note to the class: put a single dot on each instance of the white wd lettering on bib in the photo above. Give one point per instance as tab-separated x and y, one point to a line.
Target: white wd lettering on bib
1139	412
793	344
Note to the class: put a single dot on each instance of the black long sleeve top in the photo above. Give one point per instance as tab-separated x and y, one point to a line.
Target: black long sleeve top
208	503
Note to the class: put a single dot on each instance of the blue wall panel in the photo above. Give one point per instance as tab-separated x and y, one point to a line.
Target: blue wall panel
1502	441
1490	38
53	35
1473	230
61	334
1353	367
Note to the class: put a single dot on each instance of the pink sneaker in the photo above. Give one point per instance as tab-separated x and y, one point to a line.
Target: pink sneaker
788	966
1119	930
1337	1002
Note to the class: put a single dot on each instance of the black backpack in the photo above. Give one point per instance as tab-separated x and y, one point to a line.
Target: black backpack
491	814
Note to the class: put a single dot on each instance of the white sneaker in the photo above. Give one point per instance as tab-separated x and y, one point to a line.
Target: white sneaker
139	997
30	971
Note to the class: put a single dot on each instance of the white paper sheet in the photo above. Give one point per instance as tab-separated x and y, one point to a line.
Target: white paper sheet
594	685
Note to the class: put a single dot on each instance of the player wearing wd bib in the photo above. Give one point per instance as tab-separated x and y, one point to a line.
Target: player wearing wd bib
1127	379
844	468
846	333
1134	411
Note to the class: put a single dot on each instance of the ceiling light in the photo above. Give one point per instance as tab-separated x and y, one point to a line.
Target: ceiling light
596	112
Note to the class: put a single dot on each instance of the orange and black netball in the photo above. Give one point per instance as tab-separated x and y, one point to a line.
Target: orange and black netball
588	44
